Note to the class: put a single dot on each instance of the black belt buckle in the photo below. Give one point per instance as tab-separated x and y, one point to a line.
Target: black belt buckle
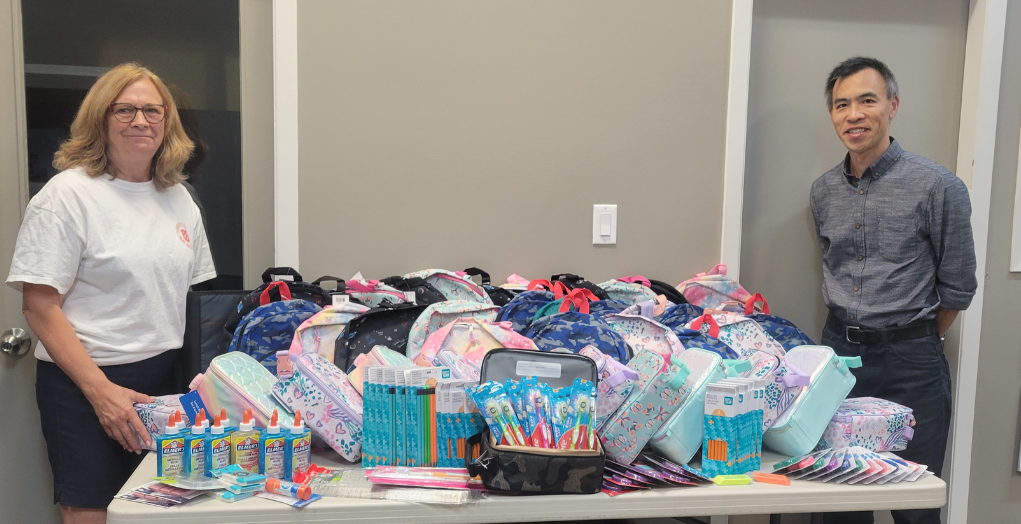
847	333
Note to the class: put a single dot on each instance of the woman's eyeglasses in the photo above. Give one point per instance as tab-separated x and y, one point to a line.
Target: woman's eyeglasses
125	113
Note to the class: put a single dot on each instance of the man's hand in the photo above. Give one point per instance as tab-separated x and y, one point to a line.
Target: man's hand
944	319
113	405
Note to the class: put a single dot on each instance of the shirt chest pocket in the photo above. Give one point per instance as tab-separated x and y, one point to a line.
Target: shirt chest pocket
899	237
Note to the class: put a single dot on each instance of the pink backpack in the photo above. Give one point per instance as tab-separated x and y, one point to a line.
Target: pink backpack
711	289
472	338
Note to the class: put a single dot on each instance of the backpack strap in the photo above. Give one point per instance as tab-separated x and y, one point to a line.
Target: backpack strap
749	305
576	297
474	271
281	289
341	285
558	288
636	279
714	328
718	269
267	276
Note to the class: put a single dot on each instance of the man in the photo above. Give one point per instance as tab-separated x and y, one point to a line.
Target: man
898	262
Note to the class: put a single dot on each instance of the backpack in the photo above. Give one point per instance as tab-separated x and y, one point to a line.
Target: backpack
628	292
573	281
645	334
438	315
680	315
270	328
500	296
709	290
599	308
573	330
387	325
425	293
319	333
453	286
782	330
738	332
521	310
272	291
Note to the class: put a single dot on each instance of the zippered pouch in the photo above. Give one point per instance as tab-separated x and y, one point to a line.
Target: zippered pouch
236	382
872	423
528	469
681	436
329	405
615	384
658	394
799	428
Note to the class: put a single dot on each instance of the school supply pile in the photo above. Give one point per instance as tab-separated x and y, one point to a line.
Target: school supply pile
851	465
649	471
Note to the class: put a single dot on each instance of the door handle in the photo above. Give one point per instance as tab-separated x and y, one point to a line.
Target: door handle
15	342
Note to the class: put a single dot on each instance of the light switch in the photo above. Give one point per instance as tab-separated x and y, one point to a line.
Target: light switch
604	224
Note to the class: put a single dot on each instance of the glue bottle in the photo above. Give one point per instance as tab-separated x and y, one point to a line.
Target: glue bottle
271	450
195	447
227	428
170	449
297	448
217	447
244	444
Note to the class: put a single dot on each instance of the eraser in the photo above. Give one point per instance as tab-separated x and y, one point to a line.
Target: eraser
731	480
771	478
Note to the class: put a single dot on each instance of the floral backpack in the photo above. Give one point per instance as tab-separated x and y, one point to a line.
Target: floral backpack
711	289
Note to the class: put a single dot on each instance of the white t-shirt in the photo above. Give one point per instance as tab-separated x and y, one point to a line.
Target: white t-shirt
123	256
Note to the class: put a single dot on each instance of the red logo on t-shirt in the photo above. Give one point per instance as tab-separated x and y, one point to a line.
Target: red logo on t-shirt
182	233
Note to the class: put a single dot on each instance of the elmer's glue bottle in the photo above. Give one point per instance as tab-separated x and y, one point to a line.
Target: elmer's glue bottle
170	450
271	450
217	448
195	447
225	422
297	448
244	444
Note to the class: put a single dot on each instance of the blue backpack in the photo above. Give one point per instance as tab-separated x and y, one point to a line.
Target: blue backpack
782	330
522	309
270	328
573	330
696	339
676	317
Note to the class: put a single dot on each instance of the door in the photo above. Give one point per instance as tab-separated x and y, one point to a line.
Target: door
26	486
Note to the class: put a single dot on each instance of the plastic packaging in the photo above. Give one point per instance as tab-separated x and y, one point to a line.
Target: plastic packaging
271	449
170	449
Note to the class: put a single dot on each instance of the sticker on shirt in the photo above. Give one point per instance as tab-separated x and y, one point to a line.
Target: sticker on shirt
182	234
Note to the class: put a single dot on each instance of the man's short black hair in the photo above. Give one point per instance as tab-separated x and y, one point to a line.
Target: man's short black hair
854	65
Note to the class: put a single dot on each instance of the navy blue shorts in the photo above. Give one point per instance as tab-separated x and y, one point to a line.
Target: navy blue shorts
89	467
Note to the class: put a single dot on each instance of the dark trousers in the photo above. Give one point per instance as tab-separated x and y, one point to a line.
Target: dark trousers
913	373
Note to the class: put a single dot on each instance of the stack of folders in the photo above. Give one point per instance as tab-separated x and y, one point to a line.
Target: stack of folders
732	441
852	465
415	416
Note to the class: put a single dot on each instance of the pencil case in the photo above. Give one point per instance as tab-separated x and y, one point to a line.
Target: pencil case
235	381
681	435
329	405
658	394
799	428
615	383
528	469
872	423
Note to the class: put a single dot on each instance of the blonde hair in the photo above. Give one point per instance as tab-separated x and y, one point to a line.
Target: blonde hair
87	146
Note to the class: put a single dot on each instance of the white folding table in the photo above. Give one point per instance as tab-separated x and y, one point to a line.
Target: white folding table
754	498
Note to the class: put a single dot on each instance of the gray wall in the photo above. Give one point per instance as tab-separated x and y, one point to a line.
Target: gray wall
256	56
995	494
459	133
795	44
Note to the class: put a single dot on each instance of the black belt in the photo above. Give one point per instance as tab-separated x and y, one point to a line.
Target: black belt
860	335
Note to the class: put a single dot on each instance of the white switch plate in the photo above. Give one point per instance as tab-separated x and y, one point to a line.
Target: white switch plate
604	224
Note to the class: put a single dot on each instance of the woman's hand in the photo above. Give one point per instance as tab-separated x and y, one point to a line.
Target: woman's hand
41	307
113	405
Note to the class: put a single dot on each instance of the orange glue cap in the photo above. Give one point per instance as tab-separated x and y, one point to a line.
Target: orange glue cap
274	424
247	423
297	429
223	416
217	429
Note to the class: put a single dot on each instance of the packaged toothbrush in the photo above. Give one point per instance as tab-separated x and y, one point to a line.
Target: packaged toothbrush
537	409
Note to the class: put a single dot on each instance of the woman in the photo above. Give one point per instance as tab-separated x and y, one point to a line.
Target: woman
104	259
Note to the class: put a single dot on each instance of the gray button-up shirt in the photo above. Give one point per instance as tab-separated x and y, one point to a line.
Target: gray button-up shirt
896	244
